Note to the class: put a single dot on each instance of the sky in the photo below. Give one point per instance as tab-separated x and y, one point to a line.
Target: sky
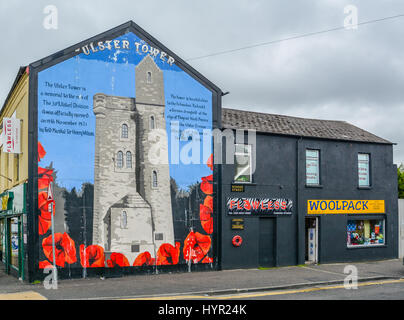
350	75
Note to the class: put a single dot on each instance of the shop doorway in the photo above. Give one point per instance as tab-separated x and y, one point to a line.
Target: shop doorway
311	243
3	240
266	251
10	245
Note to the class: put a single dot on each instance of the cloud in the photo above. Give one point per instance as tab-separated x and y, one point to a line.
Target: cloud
353	75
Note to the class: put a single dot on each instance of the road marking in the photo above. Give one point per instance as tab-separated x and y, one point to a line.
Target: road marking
27	295
273	293
252	295
171	298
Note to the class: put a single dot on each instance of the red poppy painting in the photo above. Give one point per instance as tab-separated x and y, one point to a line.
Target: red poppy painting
196	246
207	260
117	260
44	220
168	255
208	202
205	215
210	162
43	225
144	259
43	203
207	185
44	264
44	177
41	151
65	250
92	256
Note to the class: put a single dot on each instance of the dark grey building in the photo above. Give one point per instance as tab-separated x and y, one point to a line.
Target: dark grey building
322	191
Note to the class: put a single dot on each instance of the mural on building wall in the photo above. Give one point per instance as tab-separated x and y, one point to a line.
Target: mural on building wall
109	121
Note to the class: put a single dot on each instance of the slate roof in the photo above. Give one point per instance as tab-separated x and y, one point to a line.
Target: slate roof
294	126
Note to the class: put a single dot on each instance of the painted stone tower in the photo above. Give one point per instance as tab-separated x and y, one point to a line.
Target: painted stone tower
132	199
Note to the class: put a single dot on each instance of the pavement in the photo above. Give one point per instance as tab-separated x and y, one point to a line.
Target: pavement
207	283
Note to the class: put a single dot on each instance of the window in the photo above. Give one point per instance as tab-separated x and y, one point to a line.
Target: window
119	160
363	170
16	167
135	248
155	182
124	220
242	160
365	233
159	237
312	167
152	123
149	77
2	240
7	169
125	131
128	159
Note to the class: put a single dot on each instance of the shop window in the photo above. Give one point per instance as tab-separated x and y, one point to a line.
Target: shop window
14	242
124	131
119	160
129	159
365	233
312	167
363	170
242	160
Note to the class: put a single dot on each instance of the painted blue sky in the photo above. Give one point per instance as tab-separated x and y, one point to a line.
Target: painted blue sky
111	72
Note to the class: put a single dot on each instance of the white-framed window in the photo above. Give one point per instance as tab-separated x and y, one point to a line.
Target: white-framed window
124	220
312	167
119	160
125	131
129	160
242	161
363	233
364	170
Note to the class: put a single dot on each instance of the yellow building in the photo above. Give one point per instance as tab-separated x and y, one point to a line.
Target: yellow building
13	179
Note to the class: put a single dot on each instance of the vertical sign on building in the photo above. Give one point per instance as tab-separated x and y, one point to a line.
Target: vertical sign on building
11	135
312	167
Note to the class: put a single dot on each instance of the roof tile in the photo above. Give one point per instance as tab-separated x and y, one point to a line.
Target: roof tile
287	125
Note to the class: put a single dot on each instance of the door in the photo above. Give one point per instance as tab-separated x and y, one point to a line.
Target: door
3	240
15	243
311	240
266	251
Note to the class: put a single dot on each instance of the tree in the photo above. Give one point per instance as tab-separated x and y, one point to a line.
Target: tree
79	213
400	175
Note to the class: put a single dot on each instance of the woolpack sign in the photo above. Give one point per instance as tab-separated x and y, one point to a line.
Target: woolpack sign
257	206
345	206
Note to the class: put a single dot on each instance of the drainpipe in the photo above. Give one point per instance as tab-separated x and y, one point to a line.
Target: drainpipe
297	201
